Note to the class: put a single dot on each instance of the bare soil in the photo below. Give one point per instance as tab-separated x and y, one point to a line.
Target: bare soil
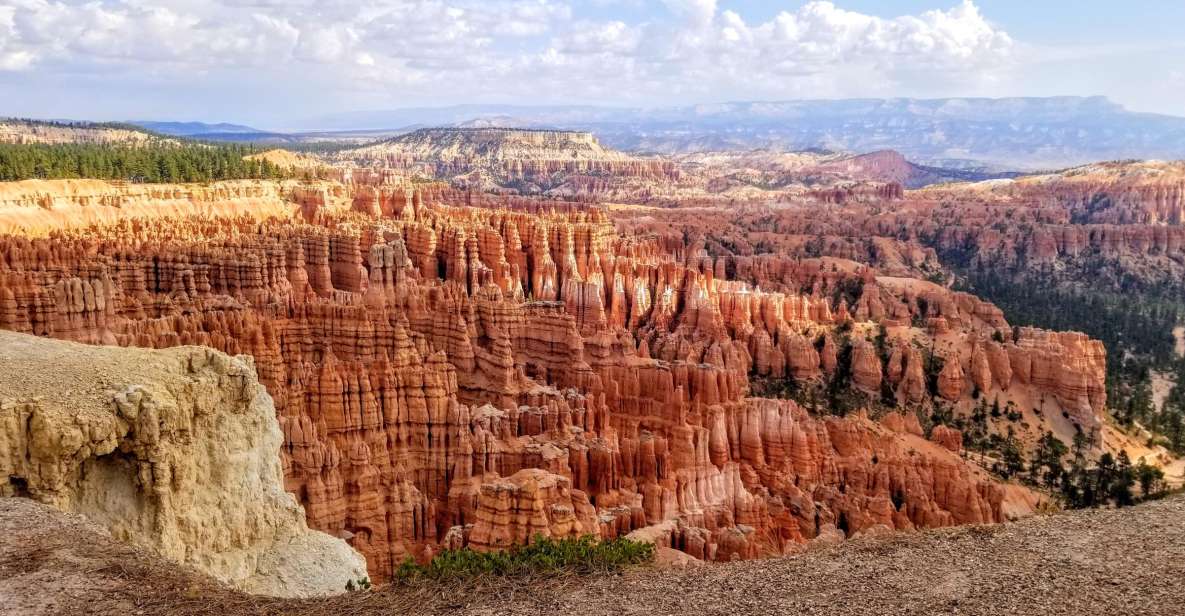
1112	562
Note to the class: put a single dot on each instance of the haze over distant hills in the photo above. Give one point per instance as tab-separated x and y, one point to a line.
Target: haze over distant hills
1006	132
979	134
190	129
246	134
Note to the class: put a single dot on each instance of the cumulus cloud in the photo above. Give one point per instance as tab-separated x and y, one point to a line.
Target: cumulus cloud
821	37
509	49
818	50
698	13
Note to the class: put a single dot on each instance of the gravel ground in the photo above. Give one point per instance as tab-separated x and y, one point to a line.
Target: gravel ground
1112	562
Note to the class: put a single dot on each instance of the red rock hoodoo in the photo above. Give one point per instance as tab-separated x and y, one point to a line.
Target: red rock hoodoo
451	370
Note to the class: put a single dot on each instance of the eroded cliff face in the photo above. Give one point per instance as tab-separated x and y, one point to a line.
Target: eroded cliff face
448	375
27	132
1120	224
1117	223
1131	192
574	165
523	161
35	208
177	450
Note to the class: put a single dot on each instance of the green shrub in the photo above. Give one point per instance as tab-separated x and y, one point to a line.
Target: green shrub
542	556
362	583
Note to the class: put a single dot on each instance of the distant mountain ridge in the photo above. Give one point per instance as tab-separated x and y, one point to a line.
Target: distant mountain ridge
525	160
195	129
491	144
977	135
223	131
1025	133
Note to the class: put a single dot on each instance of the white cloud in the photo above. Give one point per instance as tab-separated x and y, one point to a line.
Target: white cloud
697	13
615	37
821	37
525	50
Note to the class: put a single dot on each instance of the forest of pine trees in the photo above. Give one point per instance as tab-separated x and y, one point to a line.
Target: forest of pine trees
1125	327
1137	334
1109	480
161	162
1064	470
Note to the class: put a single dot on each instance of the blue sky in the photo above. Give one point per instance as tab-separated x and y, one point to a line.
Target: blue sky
275	63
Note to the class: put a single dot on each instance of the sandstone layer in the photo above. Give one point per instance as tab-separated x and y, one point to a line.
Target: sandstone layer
177	450
39	207
451	368
1117	224
523	161
35	131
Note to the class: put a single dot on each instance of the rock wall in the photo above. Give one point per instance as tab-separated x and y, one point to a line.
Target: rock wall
33	131
176	449
39	207
1146	192
1116	223
525	161
450	375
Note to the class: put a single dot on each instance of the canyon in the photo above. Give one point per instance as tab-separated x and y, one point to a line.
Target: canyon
452	376
472	337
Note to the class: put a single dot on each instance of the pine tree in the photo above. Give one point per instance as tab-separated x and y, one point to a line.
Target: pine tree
1149	478
1012	457
189	162
1047	460
1122	481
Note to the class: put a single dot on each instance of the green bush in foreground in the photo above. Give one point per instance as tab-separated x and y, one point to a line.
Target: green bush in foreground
363	583
542	556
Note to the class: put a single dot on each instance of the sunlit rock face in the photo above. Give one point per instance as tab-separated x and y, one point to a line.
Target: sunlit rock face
455	369
176	450
523	161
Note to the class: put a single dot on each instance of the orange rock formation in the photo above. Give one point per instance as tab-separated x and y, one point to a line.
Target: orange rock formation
457	369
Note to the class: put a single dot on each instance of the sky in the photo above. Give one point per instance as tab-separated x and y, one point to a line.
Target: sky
279	63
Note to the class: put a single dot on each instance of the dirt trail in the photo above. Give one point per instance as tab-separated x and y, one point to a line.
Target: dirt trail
1129	561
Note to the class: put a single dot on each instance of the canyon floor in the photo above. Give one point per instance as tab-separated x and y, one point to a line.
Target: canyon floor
1129	561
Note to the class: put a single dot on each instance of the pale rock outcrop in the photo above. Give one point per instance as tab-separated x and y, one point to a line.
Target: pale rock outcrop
38	207
177	450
